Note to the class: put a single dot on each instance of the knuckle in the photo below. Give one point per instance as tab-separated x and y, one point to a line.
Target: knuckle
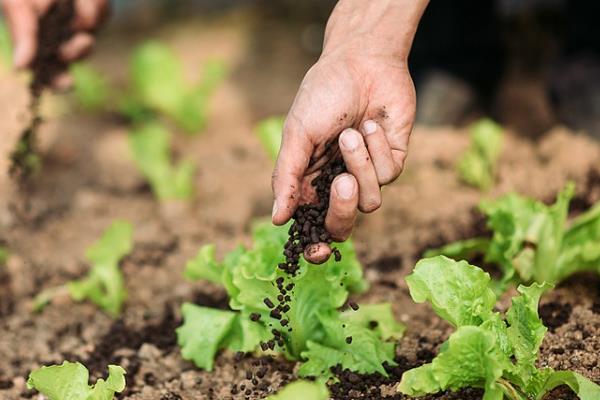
370	205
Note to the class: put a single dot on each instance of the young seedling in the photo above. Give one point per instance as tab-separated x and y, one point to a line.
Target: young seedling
269	132
150	146
69	381
477	167
311	329
104	285
495	352
533	242
156	88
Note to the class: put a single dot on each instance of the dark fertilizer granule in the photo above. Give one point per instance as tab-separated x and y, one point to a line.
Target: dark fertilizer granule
555	314
54	28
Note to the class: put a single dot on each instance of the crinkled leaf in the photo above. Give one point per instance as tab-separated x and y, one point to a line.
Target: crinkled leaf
526	330
203	332
582	386
248	275
69	381
457	291
151	150
379	318
302	390
204	266
469	359
105	285
90	87
269	132
477	166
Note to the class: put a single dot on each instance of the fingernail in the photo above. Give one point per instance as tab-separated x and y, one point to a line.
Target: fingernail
350	139
275	208
370	127
345	187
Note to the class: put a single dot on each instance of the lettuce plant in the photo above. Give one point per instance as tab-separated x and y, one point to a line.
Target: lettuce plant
477	166
319	334
302	390
156	87
269	131
495	352
150	146
533	242
69	381
104	285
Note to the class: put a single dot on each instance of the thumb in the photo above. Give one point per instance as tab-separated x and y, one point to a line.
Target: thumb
292	161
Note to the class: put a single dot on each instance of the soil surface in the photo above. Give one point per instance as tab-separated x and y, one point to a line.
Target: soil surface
88	181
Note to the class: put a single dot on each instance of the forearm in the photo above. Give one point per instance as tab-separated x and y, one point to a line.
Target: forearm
374	27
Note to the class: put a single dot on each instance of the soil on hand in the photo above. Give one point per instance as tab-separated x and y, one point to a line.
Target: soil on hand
54	29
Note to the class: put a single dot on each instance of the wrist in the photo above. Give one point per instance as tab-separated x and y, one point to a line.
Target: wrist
375	28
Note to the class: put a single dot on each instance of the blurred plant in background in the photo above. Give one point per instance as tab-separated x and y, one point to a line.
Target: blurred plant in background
155	96
477	167
269	131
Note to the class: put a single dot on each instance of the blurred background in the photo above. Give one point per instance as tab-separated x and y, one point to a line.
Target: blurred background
529	64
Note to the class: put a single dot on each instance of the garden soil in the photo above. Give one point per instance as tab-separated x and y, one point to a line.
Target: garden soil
88	181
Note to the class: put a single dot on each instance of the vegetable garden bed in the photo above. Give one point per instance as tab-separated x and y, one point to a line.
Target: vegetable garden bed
80	194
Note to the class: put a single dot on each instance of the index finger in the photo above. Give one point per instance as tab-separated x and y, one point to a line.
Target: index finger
292	161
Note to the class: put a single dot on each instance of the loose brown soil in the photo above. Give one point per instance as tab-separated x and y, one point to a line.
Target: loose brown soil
79	193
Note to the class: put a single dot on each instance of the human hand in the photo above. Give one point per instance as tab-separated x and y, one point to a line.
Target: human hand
362	98
23	17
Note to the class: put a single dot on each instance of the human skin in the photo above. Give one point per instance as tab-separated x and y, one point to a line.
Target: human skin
23	17
360	94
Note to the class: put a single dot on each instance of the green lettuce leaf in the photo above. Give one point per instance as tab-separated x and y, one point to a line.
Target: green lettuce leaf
105	285
90	87
158	84
69	381
314	318
486	351
532	242
150	145
269	132
457	291
477	167
526	330
302	390
470	359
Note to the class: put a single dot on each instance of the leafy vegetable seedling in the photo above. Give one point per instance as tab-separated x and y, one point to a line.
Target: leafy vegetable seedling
314	331
269	132
150	146
69	381
156	87
302	390
477	167
488	350
533	242
104	285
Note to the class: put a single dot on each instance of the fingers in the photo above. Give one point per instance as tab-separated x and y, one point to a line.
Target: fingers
89	13
343	203
62	82
386	168
290	167
358	162
77	47
317	253
22	20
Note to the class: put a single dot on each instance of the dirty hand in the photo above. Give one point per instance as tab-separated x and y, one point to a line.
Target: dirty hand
23	16
360	96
